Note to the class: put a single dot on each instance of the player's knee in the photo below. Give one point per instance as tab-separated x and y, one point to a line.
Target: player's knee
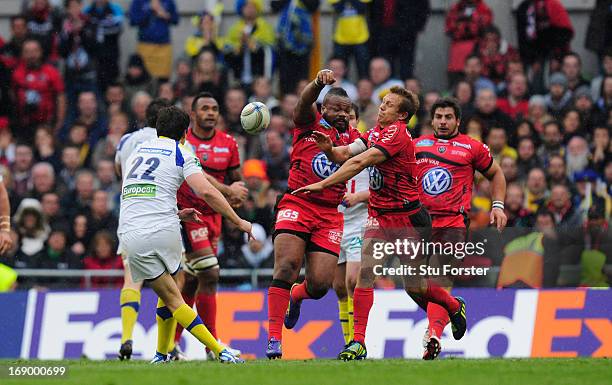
286	270
351	282
317	290
202	264
340	288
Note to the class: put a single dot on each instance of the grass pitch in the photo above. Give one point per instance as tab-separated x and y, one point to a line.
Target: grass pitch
571	371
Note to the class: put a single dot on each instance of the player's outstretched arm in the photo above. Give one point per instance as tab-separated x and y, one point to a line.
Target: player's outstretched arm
305	111
213	197
339	154
5	220
349	169
236	192
498	195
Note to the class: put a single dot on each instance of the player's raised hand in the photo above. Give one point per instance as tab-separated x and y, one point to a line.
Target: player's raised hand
247	227
498	217
315	187
6	242
323	140
325	77
190	215
238	192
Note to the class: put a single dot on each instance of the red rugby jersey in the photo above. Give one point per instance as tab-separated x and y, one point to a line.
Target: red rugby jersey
218	155
393	183
446	171
310	165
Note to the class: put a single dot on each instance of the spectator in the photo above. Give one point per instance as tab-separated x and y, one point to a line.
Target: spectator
207	76
6	110
559	97
497	140
153	19
380	75
44	23
583	103
338	66
368	110
70	165
571	67
39	93
21	170
494	53
137	78
395	28
599	31
557	171
515	104
79	201
577	155
544	31
606	65
600	148
608	175
105	174
165	91
464	93
258	250
527	158
491	115
572	124
107	18
79	236
472	73
294	38
538	113
103	257
105	148
536	192
205	36
100	217
7	148
604	104
276	158
588	195
32	228
552	142
45	148
11	51
115	99
89	116
235	100
262	92
517	215
50	203
525	129
560	205
249	42
258	206
510	168
43	181
57	256
77	136
465	22
139	103
77	44
182	78
351	33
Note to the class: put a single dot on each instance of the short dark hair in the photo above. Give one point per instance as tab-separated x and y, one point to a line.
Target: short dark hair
570	54
18	17
153	110
335	91
446	103
355	108
201	95
172	122
410	103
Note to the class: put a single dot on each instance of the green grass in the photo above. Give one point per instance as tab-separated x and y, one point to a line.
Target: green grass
321	372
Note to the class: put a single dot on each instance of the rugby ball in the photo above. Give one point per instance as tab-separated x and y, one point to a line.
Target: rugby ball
255	117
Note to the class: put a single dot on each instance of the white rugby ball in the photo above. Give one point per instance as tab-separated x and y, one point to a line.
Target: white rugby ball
255	117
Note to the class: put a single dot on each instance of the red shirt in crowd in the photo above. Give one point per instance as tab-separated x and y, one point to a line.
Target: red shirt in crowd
113	263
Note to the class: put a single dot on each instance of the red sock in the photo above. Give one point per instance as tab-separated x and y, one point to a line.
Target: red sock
299	293
438	295
278	300
362	303
189	300
438	319
207	310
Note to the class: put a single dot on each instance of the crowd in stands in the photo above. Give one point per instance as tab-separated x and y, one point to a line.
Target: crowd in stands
65	103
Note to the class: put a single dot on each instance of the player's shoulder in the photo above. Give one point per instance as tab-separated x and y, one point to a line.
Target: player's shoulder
226	138
123	140
466	141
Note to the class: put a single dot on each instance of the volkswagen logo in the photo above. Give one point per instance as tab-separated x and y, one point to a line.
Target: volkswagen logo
322	166
437	181
376	178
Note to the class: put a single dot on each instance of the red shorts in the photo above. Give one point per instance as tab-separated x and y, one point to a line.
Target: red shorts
320	226
198	236
391	226
449	228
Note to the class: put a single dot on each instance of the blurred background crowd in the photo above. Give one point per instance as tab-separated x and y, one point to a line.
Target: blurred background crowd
65	101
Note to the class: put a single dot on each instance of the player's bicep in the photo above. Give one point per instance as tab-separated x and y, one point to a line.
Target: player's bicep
493	169
234	174
304	114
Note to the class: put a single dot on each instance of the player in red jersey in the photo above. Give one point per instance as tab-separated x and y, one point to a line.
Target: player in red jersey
446	164
394	210
308	225
218	154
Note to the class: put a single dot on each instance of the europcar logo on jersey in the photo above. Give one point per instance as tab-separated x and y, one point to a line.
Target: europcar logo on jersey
376	178
322	166
140	190
436	181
